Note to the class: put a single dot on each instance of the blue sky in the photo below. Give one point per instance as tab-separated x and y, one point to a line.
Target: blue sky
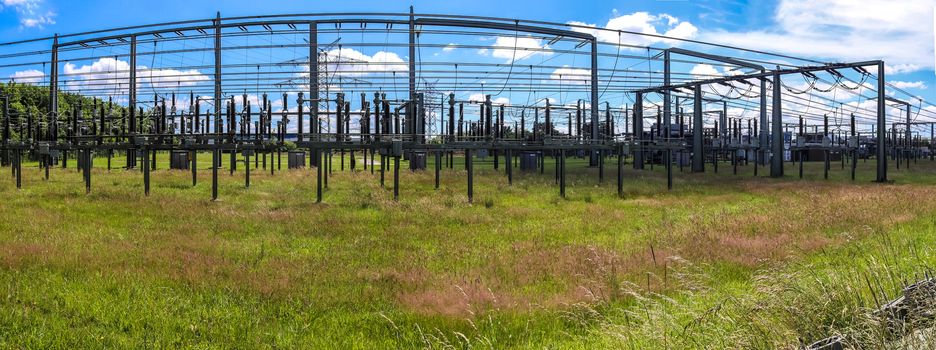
901	32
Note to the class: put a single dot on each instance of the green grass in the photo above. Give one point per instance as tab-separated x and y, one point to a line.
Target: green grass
720	261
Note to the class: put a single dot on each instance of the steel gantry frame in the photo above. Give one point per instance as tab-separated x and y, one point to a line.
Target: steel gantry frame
400	128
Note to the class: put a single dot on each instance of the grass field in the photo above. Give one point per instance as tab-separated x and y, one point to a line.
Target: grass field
721	261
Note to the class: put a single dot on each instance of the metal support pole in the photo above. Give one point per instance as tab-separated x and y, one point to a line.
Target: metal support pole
908	149
215	162
881	127
763	144
131	153
313	83
508	162
776	125
318	178
438	167
146	171
470	167
411	106
194	168
18	154
396	178
854	152
620	174
593	157
638	131
87	170
217	83
53	92
698	155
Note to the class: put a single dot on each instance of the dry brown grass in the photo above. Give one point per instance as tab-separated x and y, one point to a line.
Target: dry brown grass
433	253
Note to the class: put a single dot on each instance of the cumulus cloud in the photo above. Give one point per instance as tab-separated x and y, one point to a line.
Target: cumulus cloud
110	72
909	85
526	47
477	97
704	71
571	76
848	30
640	22
351	62
29	76
31	13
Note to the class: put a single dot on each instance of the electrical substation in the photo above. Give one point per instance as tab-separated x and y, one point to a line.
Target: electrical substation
376	88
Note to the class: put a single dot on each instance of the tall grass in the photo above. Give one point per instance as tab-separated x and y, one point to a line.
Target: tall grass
720	262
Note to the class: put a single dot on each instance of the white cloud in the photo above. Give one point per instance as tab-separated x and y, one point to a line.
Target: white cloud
704	71
104	73
112	73
38	21
351	62
526	47
640	22
901	34
169	78
31	13
449	48
571	76
29	76
476	97
909	85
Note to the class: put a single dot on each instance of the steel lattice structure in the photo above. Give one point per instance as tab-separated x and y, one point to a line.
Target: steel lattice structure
389	85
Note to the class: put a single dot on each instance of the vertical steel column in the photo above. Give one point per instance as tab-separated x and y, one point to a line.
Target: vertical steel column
247	168
383	168
53	91
508	162
131	153
620	174
411	107
593	157
146	171
469	165
451	119
86	167
776	127
667	119
217	82
547	130
908	149
299	104
854	151
438	167
318	177
762	146
19	169
396	178
215	163
698	154
194	168
667	113
313	83
825	152
6	130
638	131
881	127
